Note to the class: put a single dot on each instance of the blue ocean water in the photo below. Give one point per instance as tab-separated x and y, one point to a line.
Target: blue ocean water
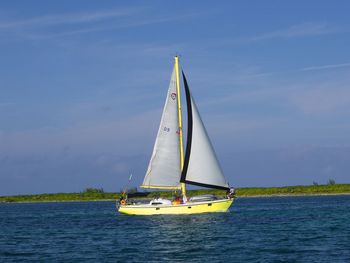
279	229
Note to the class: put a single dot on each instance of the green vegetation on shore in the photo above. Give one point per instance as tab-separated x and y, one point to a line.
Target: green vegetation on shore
92	194
295	190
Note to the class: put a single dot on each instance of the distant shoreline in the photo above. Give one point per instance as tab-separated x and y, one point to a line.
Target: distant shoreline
289	195
92	194
109	200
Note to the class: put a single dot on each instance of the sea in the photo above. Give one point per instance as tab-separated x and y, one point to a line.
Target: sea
268	229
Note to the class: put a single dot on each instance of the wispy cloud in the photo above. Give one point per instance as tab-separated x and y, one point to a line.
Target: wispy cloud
308	29
300	30
106	27
311	68
331	66
54	19
316	90
61	25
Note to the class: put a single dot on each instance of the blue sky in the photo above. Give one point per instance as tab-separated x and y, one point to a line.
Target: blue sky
83	84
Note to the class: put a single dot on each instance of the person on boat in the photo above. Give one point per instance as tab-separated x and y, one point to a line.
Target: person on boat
184	199
177	199
230	193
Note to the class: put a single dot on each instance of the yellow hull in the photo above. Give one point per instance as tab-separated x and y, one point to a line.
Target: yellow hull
188	208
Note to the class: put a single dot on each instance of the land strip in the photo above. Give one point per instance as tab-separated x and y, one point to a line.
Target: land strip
99	195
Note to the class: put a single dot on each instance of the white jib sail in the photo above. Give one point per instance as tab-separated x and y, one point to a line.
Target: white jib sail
203	166
164	167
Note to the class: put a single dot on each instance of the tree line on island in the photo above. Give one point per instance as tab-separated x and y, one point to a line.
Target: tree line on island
95	194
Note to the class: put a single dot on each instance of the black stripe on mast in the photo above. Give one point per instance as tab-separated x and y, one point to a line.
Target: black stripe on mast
189	130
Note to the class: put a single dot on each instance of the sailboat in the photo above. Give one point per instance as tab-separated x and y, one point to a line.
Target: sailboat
171	168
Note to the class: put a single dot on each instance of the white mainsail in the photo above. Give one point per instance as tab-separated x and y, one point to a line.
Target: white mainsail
201	164
164	167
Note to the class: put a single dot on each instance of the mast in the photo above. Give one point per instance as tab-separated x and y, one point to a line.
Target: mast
183	186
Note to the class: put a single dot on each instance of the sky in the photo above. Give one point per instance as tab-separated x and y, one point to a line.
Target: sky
83	83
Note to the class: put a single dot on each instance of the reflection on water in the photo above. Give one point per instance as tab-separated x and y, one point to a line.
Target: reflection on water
314	229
